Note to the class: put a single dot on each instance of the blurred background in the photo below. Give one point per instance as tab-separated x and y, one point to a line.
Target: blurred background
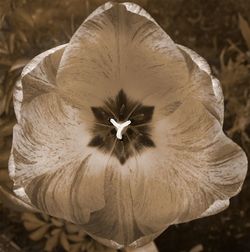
217	30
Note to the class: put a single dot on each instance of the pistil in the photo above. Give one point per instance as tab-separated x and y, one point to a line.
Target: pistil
120	127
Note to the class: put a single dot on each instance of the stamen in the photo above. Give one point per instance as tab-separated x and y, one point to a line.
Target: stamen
119	127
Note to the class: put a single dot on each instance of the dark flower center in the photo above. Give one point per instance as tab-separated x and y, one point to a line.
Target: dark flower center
135	136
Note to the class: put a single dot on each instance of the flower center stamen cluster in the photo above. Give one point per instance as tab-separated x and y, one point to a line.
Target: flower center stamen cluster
122	127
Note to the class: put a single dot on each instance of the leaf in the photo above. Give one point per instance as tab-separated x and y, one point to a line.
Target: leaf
31	217
75	247
197	248
75	238
11	201
11	44
56	231
30	226
39	233
25	17
7	127
51	243
20	63
4	158
245	30
71	228
57	222
64	242
4	176
45	217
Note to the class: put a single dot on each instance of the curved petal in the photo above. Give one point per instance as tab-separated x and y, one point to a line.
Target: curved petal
10	200
38	77
216	207
71	192
115	225
193	165
115	221
150	247
120	49
132	7
51	158
205	87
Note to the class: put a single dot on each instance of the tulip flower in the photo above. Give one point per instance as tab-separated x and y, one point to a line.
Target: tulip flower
120	131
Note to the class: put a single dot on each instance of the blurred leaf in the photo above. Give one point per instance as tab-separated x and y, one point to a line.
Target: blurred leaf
20	63
4	158
71	228
245	30
39	233
11	44
75	238
11	201
56	231
30	226
75	247
197	248
24	16
52	242
2	104
4	176
7	245
64	242
31	217
6	128
57	222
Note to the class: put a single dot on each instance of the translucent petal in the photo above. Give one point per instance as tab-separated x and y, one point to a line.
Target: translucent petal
193	166
38	77
120	49
206	87
14	202
50	157
115	225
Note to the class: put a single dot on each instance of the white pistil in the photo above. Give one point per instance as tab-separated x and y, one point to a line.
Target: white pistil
119	127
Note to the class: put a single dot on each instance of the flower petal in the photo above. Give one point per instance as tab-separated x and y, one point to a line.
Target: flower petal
120	49
51	158
193	166
114	225
216	207
14	202
206	87
71	192
115	221
132	7
37	78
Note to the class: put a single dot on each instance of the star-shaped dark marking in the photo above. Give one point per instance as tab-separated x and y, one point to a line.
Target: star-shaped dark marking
136	136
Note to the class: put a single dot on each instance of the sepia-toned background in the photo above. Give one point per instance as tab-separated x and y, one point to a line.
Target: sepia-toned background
217	30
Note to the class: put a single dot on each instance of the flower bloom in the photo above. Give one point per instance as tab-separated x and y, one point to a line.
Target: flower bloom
120	131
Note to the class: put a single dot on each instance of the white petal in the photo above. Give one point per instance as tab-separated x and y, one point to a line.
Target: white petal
216	207
205	86
193	165
49	147
37	78
14	202
151	247
201	62
71	192
132	7
115	225
120	49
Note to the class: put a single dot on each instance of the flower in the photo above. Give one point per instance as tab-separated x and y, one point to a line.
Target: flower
120	131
